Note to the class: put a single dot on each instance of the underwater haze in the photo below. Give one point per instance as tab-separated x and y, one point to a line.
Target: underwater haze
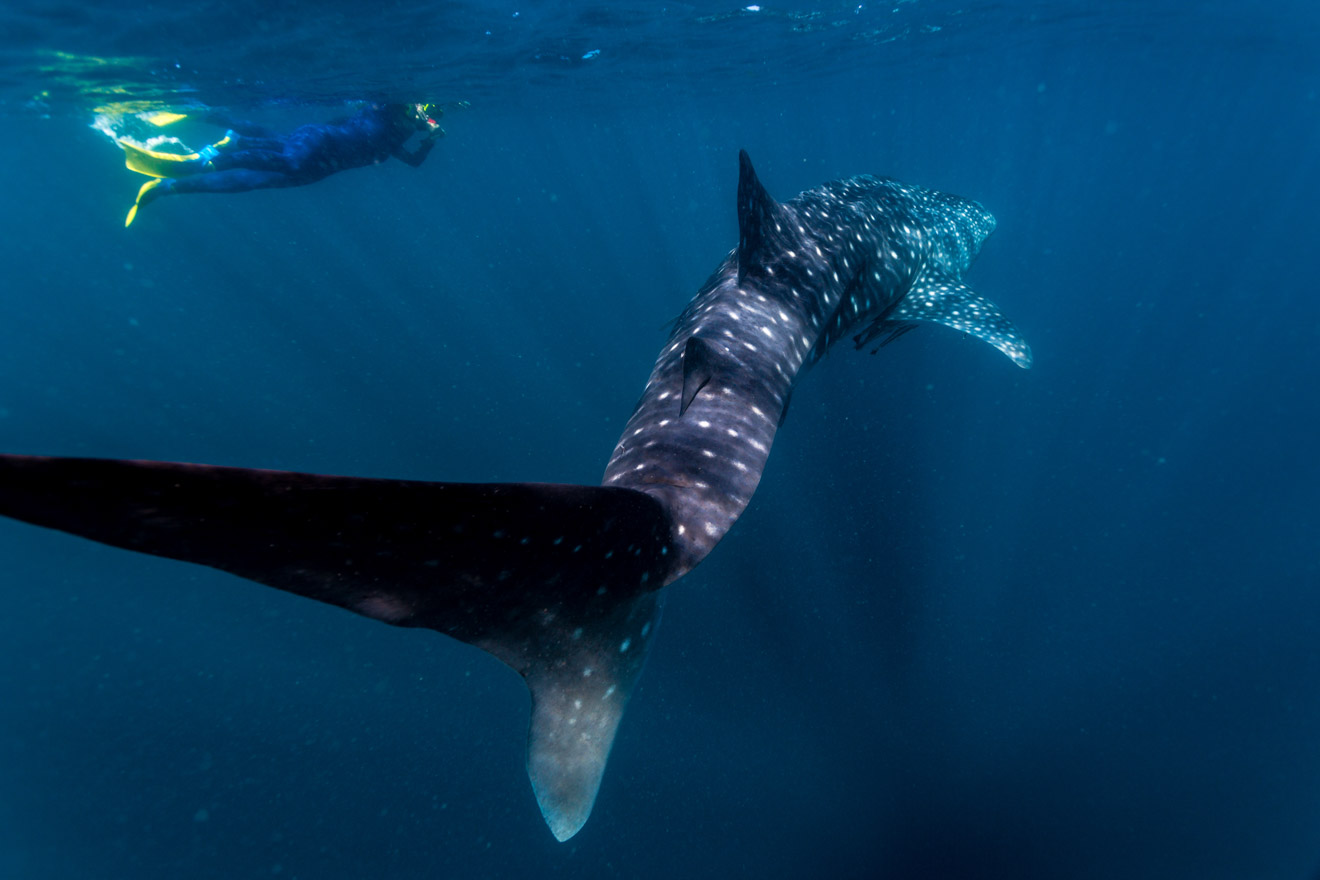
977	622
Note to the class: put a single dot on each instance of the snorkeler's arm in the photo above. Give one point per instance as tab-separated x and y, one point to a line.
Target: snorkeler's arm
416	157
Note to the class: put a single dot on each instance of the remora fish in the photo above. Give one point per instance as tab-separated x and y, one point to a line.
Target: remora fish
561	582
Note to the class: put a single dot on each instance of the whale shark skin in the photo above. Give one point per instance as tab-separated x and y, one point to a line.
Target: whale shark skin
562	582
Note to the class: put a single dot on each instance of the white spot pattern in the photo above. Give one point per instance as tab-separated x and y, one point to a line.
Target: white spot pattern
866	256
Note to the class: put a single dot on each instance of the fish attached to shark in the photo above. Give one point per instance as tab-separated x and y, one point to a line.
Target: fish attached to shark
562	582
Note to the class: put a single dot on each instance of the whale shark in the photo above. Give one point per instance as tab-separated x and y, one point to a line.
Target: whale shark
562	582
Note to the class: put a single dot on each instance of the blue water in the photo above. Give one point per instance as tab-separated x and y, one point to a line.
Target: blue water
977	622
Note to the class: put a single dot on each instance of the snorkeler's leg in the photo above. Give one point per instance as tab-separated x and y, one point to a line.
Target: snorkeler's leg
275	161
237	180
242	127
306	157
236	143
231	181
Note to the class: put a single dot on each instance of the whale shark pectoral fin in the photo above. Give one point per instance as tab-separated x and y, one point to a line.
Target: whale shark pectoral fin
946	301
578	699
557	581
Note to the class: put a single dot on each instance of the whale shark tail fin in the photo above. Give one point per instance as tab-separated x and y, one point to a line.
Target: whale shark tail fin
557	581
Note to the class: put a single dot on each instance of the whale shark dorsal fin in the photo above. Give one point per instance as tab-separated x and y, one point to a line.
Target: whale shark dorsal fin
703	362
699	365
944	300
556	581
760	218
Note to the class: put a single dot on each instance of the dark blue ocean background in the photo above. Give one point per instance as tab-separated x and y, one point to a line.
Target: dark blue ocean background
977	622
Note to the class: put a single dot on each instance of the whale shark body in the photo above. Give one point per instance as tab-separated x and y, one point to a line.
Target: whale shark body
562	582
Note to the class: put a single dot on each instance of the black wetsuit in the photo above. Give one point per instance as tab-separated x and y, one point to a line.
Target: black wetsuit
255	158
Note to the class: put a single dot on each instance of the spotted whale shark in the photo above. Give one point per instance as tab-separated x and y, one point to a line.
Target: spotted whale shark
562	582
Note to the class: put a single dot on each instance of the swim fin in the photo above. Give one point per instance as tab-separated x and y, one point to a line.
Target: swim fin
144	196
160	163
162	118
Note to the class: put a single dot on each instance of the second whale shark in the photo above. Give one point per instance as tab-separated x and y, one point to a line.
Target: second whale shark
562	582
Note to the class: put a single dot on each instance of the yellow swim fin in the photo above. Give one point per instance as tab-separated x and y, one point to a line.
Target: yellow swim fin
157	163
132	212
162	118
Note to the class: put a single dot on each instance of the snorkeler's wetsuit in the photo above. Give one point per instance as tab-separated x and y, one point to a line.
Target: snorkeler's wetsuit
255	159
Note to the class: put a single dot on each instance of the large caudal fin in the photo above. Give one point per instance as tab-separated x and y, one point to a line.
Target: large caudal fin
557	581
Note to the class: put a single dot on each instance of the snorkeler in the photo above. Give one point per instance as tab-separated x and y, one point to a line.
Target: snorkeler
250	157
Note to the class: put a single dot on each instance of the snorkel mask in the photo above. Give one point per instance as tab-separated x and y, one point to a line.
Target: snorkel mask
428	114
